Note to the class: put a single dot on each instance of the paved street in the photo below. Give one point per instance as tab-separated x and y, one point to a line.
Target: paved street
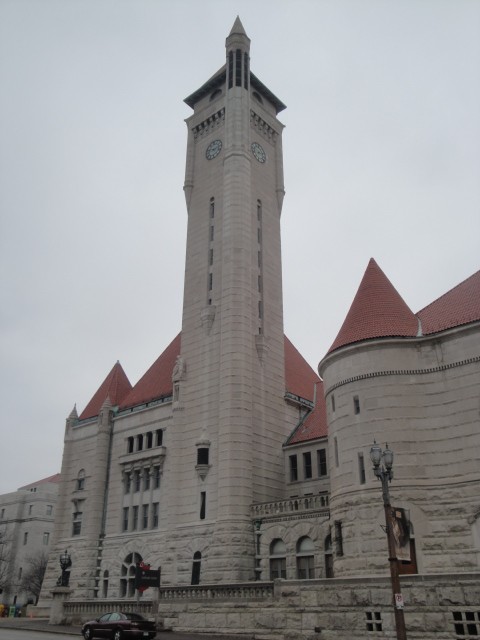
24	629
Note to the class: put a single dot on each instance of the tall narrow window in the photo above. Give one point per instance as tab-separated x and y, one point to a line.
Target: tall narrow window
77	523
328	557
293	468
138	479
230	69
156	477
46	538
322	462
105	584
361	469
210	257
203	504
212	207
335	447
155	510
139	442
125	519
146	480
128	482
305	559
196	566
307	465
210	281
278	560
130	445
212	233
135	518
81	480
356	405
238	68
159	437
30	509
338	538
25	537
245	70
333	402
145	516
149	440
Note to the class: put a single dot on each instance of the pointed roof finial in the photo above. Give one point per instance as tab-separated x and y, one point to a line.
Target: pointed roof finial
73	413
237	28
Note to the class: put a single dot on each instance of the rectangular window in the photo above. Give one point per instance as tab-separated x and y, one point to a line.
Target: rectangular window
278	568
149	440
335	447
155	515
260	283
156	477
145	516
210	258
135	518
159	437
46	538
137	481
361	469
212	233
30	509
202	455
25	537
146	480
356	405
20	571
238	68
210	281
2	514
130	445
307	465
49	509
293	468
333	403
338	537
128	482
140	442
212	207
260	309
373	620
125	519
203	504
77	523
322	462
230	69
259	235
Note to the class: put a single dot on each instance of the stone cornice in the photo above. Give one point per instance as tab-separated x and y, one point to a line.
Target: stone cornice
402	372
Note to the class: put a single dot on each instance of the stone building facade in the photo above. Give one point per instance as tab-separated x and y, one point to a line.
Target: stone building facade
231	461
26	534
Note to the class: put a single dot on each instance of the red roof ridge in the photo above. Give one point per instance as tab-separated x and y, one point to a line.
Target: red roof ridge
458	306
377	310
54	479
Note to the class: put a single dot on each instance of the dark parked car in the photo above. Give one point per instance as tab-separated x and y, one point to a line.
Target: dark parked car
118	625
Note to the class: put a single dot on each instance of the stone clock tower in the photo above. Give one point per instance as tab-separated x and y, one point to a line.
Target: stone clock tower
229	383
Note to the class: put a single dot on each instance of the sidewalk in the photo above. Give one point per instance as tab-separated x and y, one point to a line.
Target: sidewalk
41	624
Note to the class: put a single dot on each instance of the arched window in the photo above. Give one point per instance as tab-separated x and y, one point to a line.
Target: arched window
196	566
278	560
80	485
105	585
328	557
127	580
305	559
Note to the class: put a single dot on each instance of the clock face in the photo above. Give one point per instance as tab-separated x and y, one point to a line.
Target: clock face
258	152
213	149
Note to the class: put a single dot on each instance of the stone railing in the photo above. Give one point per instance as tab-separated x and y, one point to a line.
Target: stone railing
89	609
239	591
291	506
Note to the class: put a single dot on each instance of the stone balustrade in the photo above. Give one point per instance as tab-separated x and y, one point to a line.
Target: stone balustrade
291	506
89	609
237	591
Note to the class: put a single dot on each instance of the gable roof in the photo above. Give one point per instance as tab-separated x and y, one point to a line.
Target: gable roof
115	387
377	311
301	380
458	306
55	479
157	381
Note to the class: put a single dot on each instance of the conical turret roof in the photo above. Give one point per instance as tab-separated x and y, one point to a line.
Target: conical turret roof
237	28
377	311
115	387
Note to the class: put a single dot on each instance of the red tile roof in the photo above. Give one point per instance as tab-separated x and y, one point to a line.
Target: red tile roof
458	306
115	387
157	381
55	479
301	380
377	311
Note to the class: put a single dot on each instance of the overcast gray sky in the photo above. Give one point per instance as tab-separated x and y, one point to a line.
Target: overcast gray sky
381	159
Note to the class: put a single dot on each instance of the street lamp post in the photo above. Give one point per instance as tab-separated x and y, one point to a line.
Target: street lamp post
382	467
65	564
